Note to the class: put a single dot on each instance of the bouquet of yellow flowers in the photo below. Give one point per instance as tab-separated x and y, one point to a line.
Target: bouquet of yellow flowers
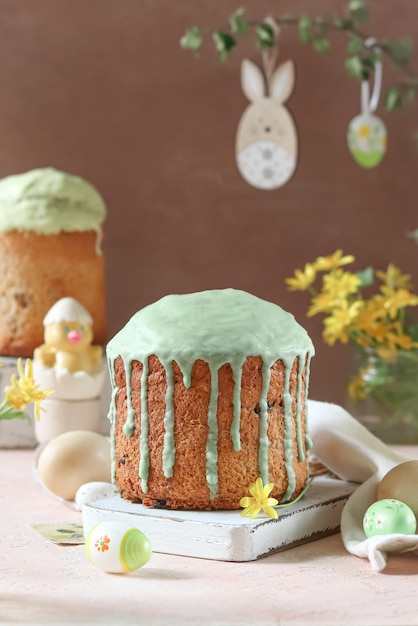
368	309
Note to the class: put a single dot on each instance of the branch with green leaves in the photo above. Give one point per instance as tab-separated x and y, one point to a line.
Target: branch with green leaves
360	58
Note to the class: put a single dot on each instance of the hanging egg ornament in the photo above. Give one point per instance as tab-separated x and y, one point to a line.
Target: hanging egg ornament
401	483
389	516
117	548
367	140
366	134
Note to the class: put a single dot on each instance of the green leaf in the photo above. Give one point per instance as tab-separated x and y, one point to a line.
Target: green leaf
224	43
393	99
192	39
345	23
369	60
355	45
11	414
354	66
358	10
366	277
265	36
321	44
400	50
238	24
305	29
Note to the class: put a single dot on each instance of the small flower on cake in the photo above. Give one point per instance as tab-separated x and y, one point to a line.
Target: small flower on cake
21	392
259	500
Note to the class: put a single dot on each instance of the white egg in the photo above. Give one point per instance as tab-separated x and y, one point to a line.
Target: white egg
93	491
73	459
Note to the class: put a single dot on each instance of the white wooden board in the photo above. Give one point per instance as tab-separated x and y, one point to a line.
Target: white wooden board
225	535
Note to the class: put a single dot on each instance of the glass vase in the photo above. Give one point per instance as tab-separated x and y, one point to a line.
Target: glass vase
383	394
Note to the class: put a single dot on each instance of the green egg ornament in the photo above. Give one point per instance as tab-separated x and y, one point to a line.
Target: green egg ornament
387	517
117	548
367	140
366	134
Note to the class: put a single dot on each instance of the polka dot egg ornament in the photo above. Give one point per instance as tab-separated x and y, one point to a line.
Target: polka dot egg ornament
117	548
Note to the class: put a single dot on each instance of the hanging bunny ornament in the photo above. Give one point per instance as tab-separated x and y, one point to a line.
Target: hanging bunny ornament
367	135
267	143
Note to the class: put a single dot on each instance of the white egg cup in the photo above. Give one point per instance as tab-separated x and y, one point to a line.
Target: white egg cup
60	416
75	403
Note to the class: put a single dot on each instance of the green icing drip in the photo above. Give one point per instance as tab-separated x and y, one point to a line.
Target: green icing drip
48	202
112	419
301	454
130	412
308	440
263	438
212	441
169	447
236	422
288	433
218	327
143	438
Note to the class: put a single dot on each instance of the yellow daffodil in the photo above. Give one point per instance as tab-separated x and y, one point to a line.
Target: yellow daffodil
322	303
397	299
356	388
338	324
394	278
326	263
259	500
341	284
302	280
24	390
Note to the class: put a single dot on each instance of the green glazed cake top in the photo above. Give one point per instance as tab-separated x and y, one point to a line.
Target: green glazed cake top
48	201
218	324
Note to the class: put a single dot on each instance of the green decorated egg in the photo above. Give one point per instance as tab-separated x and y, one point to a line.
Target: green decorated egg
115	547
367	139
388	516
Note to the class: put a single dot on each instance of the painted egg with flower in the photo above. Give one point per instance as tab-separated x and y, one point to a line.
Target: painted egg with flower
389	516
117	548
367	139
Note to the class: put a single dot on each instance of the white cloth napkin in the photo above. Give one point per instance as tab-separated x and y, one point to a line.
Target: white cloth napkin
351	452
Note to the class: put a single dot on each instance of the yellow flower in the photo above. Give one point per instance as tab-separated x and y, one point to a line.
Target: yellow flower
364	131
397	299
338	325
341	284
259	500
25	390
302	280
394	278
356	388
325	263
322	303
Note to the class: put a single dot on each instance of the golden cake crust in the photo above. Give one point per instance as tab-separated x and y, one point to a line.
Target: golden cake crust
188	488
35	272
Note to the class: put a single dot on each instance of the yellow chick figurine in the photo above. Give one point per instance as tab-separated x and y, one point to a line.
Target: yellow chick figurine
68	335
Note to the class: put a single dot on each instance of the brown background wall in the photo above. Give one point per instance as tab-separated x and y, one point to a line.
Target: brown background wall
100	88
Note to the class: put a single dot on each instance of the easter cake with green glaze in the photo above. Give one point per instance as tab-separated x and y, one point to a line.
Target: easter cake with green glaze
209	394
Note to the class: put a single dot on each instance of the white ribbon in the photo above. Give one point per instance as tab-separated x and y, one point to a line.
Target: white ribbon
370	104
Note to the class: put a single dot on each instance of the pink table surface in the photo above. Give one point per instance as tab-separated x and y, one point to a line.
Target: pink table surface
317	583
